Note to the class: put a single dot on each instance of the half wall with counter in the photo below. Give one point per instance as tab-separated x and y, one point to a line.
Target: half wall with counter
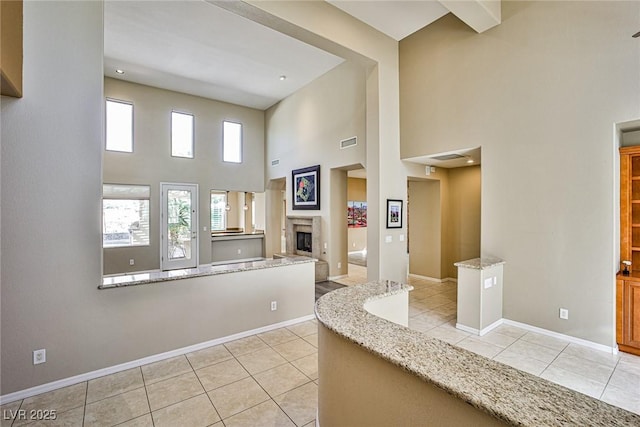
374	372
155	313
236	246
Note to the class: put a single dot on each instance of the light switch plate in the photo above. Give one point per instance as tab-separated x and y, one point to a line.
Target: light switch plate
388	239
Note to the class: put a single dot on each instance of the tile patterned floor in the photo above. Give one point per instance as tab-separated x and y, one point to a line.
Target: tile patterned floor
271	378
614	379
265	379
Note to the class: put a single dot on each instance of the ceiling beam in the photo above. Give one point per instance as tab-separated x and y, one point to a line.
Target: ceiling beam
478	14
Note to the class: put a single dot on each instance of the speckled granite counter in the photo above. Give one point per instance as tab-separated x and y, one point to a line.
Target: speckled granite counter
480	263
210	270
512	396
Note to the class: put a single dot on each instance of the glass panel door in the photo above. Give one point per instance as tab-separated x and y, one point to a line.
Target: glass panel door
179	226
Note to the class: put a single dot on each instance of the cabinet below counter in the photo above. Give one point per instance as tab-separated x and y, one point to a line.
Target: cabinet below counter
237	247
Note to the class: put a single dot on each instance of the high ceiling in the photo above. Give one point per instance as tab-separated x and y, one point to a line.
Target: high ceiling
199	48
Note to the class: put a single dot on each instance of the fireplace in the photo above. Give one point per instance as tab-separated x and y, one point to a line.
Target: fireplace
303	238
303	235
303	241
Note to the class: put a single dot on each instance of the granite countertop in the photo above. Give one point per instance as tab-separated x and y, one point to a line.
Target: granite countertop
506	393
208	270
480	263
237	233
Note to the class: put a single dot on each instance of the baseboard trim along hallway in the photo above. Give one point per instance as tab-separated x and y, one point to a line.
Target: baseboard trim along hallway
54	385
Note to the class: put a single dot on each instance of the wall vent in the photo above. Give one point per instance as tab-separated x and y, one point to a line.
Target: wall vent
349	142
275	162
447	157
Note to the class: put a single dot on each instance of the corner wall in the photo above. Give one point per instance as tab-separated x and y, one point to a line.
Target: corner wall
540	93
51	191
305	129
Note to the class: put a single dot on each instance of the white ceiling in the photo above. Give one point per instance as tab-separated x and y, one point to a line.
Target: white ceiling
397	19
198	48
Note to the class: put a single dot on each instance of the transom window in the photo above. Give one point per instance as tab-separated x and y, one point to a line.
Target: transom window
125	215
181	135
232	142
119	126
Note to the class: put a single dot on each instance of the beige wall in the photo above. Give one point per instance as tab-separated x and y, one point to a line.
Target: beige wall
463	242
152	163
540	93
305	129
444	221
324	26
425	228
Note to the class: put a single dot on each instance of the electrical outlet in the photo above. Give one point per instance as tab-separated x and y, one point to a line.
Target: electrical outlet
39	356
132	261
564	313
339	264
274	305
239	251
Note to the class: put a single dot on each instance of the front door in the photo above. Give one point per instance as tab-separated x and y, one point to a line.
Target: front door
179	226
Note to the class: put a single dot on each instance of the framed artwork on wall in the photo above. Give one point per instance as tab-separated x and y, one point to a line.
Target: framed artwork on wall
356	214
394	213
306	188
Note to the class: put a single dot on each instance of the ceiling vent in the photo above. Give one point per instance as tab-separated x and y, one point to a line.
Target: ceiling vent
349	142
447	157
275	162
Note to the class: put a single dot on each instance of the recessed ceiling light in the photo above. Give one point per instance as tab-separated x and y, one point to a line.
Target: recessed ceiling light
283	77
469	161
119	71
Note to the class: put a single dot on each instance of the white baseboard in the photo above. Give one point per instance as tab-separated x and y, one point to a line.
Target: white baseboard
480	332
433	279
580	341
337	277
23	394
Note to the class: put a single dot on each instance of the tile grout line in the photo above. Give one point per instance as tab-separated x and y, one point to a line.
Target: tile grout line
86	397
203	388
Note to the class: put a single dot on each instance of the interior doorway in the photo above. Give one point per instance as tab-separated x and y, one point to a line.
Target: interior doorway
356	230
443	222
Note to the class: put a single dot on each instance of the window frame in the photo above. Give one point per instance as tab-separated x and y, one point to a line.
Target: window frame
224	211
193	134
241	142
106	125
148	199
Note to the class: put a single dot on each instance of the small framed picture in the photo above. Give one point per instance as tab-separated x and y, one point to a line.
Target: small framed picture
306	188
394	213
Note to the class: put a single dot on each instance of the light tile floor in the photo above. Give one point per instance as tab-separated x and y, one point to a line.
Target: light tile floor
614	379
265	379
271	378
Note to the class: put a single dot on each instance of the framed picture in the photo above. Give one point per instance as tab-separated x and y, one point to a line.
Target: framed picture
306	188
356	214
394	213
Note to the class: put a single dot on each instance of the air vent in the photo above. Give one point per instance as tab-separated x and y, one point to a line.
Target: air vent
447	157
275	162
350	142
